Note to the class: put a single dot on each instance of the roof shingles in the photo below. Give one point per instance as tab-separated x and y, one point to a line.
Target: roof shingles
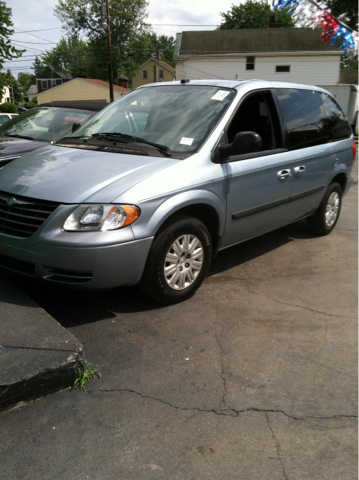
252	41
101	83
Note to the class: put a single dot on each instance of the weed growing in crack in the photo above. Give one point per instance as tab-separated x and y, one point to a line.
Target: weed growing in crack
86	373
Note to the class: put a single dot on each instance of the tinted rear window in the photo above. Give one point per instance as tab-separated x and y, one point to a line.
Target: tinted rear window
304	116
337	124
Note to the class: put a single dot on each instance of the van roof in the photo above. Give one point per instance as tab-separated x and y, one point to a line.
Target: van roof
236	83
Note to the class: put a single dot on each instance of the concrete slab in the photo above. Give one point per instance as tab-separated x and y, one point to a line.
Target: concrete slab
37	355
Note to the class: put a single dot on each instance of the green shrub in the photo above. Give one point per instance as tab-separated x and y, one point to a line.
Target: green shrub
30	105
8	108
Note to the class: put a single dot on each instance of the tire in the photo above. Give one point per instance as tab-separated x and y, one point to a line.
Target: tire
178	261
325	218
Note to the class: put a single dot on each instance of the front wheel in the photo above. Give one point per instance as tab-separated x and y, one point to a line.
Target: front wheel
178	261
327	215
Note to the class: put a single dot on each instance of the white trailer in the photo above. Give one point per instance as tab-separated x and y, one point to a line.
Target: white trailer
347	97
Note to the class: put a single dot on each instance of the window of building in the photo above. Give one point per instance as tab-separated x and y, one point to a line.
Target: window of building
250	63
53	83
44	84
282	68
144	74
161	74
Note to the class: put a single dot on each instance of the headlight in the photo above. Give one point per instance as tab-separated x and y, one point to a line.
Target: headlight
101	217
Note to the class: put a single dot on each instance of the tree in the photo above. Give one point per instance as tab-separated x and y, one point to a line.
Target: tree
15	90
127	23
253	14
25	81
345	11
38	66
164	44
71	55
7	51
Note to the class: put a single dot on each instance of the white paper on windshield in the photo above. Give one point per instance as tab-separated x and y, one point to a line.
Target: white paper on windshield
220	95
186	141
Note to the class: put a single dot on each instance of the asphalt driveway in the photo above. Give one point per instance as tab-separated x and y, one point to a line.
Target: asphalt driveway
255	377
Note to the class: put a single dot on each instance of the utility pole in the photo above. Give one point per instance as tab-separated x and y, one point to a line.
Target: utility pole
110	73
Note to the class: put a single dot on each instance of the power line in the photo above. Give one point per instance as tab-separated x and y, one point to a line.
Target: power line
22	31
26	60
40	30
37	43
18	44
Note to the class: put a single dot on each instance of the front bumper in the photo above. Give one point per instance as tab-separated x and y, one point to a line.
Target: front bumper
96	267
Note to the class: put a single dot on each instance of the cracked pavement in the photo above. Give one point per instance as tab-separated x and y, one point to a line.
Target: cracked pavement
253	378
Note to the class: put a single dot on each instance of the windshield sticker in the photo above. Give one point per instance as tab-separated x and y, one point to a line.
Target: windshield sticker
220	95
186	141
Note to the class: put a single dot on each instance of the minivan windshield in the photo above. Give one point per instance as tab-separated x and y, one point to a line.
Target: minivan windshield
46	124
179	117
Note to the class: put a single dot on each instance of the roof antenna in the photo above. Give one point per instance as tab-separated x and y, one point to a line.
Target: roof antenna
185	80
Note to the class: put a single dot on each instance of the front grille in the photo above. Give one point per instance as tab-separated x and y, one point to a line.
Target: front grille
21	217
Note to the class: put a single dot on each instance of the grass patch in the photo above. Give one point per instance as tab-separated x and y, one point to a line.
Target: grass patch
86	373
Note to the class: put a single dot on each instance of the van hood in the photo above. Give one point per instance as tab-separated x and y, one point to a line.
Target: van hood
67	175
13	147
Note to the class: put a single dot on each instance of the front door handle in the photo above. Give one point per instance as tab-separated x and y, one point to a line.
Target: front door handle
299	171
284	175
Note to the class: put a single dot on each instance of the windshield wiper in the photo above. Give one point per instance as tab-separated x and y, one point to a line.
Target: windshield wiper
20	136
107	135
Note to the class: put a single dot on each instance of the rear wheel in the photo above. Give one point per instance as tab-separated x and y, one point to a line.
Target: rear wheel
327	215
178	261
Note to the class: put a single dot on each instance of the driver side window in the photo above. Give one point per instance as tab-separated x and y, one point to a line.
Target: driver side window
255	114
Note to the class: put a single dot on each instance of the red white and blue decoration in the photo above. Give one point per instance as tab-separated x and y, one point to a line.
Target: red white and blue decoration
313	15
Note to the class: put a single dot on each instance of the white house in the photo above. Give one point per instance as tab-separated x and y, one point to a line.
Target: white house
6	95
274	54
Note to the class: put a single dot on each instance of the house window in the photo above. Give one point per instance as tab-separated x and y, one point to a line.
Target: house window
282	68
53	83
144	74
250	63
161	74
44	84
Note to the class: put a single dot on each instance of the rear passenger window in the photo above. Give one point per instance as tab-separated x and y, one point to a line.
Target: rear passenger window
337	124
304	116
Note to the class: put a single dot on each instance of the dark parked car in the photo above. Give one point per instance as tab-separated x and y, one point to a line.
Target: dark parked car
39	126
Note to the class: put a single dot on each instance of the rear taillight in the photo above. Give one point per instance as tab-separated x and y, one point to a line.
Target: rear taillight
354	150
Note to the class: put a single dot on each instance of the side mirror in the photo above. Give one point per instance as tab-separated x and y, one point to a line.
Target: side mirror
75	126
243	142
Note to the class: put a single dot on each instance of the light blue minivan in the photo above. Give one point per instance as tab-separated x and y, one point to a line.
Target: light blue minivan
153	186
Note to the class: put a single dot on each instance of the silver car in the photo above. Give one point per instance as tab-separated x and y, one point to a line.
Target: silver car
153	186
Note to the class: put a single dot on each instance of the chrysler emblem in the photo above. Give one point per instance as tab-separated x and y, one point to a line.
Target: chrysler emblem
12	201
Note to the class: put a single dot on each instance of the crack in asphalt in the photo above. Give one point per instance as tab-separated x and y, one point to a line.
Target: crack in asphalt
235	413
277	446
300	306
320	351
221	355
222	371
41	349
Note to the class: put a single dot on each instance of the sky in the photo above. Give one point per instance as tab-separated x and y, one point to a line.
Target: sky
43	30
